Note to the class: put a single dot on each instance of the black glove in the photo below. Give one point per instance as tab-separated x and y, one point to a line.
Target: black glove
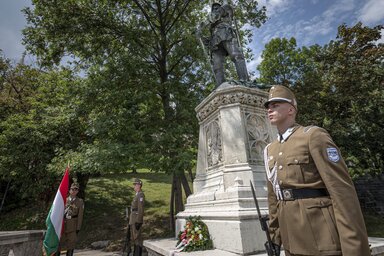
77	232
138	225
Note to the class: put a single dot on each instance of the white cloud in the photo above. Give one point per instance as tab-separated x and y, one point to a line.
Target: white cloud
372	12
275	6
322	24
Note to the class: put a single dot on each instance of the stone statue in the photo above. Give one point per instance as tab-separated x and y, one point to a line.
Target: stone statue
223	41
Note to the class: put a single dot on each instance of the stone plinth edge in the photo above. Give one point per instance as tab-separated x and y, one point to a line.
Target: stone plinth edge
230	95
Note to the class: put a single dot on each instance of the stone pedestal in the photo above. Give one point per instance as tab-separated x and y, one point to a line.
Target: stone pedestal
233	133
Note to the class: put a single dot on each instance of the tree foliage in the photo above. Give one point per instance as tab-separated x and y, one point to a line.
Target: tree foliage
38	118
145	74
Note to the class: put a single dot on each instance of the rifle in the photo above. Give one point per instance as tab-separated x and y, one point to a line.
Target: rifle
127	243
271	248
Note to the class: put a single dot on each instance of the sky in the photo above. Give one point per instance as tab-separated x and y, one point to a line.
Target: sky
309	21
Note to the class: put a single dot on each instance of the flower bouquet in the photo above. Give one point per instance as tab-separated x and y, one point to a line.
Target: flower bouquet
194	237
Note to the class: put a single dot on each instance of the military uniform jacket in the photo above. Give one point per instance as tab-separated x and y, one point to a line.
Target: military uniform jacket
332	225
73	217
137	208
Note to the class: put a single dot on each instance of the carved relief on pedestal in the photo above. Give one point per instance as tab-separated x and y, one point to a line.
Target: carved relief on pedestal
230	98
258	136
213	142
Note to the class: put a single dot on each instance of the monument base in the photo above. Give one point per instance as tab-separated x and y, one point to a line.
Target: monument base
166	247
231	218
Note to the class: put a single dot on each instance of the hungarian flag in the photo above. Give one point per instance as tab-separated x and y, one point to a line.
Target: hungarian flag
55	218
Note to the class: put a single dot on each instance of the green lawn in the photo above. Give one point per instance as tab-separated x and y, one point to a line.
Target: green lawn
105	203
107	198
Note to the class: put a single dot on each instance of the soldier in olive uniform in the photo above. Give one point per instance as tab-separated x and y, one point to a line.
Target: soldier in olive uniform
73	218
313	205
136	218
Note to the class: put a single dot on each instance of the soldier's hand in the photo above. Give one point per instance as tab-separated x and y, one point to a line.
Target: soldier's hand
272	249
138	225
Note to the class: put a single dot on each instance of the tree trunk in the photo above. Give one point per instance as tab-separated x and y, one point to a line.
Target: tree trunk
4	195
82	179
190	175
134	170
186	187
176	204
179	205
171	206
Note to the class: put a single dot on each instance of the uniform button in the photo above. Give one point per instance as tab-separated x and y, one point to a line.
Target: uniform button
280	153
296	161
280	182
280	167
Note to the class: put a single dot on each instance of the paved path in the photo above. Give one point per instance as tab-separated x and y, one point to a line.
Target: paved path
98	253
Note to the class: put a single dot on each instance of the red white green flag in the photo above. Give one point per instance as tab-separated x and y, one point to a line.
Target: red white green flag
55	218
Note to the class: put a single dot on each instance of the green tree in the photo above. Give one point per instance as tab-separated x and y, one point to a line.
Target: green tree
281	62
145	76
38	117
353	96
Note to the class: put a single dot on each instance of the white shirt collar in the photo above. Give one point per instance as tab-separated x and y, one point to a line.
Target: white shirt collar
283	137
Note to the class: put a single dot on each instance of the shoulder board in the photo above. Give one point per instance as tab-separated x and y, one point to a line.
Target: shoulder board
308	128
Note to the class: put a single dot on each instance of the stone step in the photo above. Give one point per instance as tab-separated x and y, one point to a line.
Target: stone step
166	247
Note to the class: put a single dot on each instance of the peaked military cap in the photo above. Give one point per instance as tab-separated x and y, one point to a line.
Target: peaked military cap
137	181
280	93
75	185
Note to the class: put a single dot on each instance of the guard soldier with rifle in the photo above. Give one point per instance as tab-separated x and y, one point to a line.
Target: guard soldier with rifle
136	218
313	205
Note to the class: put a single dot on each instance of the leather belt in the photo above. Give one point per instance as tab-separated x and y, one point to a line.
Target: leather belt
291	194
134	209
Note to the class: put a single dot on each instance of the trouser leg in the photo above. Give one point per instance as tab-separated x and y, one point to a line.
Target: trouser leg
218	58
237	56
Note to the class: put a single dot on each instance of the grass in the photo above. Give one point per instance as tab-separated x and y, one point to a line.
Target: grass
104	217
105	203
107	198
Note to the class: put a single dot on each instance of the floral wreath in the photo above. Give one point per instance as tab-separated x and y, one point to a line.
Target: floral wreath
195	236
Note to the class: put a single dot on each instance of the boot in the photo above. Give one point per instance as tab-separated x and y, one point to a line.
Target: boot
69	252
58	252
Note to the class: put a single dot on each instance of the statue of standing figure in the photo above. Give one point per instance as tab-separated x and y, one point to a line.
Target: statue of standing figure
222	42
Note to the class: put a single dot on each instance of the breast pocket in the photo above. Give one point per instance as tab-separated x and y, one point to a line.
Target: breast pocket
296	166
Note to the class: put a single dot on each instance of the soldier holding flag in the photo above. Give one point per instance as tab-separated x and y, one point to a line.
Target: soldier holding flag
73	218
